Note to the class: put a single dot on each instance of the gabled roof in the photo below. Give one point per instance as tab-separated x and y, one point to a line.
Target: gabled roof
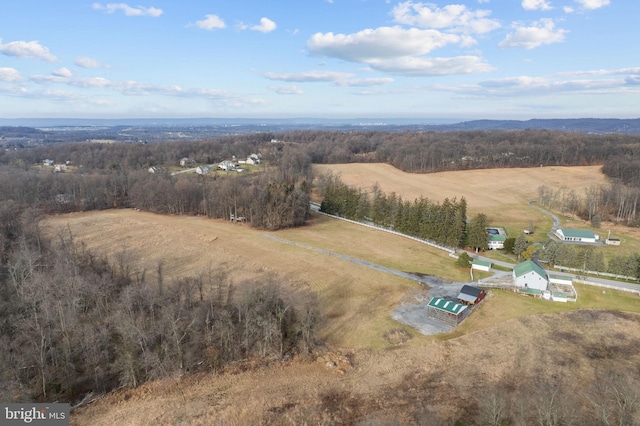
528	266
493	237
577	233
470	290
447	305
481	263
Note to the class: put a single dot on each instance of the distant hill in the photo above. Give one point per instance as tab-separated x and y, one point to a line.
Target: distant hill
586	125
252	125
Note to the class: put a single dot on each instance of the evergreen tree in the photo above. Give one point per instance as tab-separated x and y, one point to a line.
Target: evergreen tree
464	260
477	237
520	245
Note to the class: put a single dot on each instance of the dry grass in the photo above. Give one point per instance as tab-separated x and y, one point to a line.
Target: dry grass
357	301
506	332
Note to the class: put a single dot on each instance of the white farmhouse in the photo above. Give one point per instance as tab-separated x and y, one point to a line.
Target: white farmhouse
529	275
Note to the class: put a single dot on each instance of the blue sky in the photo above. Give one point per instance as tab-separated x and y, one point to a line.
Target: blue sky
500	59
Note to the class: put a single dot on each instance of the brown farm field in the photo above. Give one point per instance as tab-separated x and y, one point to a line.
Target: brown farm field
376	382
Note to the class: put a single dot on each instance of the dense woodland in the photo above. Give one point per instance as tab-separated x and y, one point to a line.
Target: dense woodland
73	324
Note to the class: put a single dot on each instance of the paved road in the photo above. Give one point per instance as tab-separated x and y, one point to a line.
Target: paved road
413	313
600	282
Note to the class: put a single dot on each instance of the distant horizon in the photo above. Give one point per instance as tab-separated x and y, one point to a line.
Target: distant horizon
303	119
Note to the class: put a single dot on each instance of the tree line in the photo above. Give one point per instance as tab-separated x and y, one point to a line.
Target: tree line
443	223
109	176
74	323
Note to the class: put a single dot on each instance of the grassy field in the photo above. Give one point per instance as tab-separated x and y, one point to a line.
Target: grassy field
507	333
356	301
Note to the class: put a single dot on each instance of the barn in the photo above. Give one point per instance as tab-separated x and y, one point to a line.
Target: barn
446	310
470	295
530	275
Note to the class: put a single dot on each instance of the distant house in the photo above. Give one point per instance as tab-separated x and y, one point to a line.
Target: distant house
577	235
497	237
496	242
65	198
47	162
227	165
185	162
481	265
470	295
530	275
203	170
154	169
445	310
612	241
60	168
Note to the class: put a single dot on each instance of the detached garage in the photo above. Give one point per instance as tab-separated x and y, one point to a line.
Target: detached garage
470	295
481	265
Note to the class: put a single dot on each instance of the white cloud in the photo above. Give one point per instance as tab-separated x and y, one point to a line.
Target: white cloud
287	90
540	86
426	67
128	10
541	32
337	78
365	82
309	76
62	72
86	62
9	75
618	71
266	26
568	9
379	43
210	22
455	17
593	4
536	5
27	49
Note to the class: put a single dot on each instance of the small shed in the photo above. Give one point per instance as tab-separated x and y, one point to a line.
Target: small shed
481	265
470	295
445	310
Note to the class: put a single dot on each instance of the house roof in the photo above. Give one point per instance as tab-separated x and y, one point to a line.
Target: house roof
470	290
493	237
528	266
447	305
481	263
577	233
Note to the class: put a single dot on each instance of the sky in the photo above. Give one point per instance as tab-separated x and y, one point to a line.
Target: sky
475	59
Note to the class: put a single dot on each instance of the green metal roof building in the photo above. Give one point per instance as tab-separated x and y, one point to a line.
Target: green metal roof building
530	275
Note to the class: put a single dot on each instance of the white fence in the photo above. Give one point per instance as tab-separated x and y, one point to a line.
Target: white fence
391	231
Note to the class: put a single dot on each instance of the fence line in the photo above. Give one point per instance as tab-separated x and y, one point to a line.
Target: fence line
391	231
